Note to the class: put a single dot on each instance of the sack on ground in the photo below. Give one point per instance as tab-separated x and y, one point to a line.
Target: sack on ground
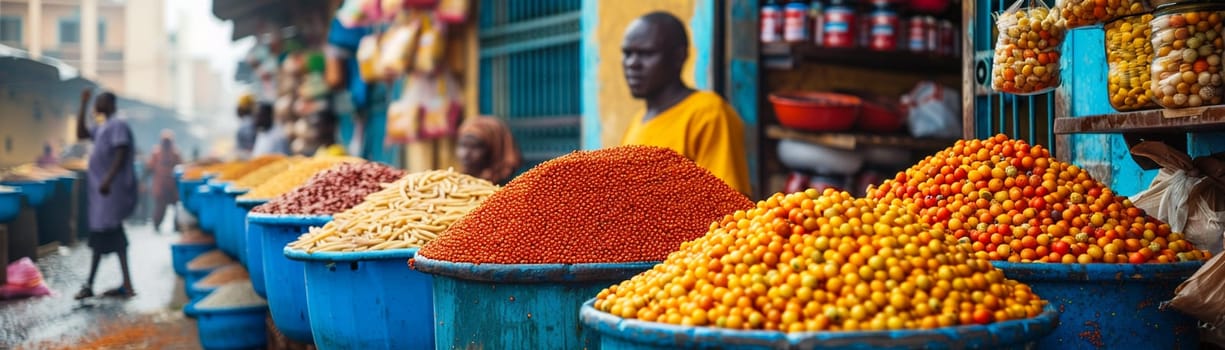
24	280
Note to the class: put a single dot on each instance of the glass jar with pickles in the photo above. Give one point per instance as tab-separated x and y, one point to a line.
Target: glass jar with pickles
1188	47
1083	13
1129	54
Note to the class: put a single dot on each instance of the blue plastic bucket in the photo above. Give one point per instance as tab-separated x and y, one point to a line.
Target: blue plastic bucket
368	300
284	281
52	226
35	192
1111	306
10	205
196	292
617	333
230	328
182	253
236	221
221	211
208	216
529	306
188	194
253	246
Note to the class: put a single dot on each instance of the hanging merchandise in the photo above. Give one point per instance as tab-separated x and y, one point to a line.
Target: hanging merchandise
771	21
351	14
1129	54
1083	13
391	8
1187	40
442	108
795	22
839	25
431	46
453	11
404	115
816	20
397	47
368	58
1027	49
419	3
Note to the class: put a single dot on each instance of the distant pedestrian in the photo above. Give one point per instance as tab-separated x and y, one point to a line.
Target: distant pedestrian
112	187
161	163
246	127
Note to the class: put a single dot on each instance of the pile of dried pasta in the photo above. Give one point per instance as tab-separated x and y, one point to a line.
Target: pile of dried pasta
407	214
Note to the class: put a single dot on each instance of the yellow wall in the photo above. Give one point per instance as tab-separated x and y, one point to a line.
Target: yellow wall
616	106
27	135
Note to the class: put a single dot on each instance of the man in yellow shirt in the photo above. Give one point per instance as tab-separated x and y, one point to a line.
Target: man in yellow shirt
697	124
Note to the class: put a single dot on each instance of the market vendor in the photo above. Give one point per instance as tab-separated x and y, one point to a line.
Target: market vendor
486	149
697	124
246	125
271	136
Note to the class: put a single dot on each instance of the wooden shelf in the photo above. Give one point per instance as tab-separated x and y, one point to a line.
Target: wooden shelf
786	56
854	141
1210	118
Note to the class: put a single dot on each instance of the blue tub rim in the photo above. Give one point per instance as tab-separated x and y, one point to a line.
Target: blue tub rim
1099	272
392	254
533	273
234	191
662	334
249	204
192	310
288	219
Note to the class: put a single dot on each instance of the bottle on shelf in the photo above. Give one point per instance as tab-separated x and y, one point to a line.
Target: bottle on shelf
816	20
771	22
840	25
795	22
884	26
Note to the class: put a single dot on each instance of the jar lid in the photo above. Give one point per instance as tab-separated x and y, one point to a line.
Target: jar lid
1167	5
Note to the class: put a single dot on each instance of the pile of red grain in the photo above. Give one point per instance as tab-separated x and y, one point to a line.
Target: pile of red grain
334	190
623	204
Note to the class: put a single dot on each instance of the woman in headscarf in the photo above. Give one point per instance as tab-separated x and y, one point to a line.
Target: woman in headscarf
165	157
487	149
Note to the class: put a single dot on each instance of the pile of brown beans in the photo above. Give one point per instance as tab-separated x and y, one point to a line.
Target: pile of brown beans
333	191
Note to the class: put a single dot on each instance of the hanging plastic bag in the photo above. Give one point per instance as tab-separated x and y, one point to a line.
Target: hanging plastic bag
453	11
933	110
368	57
442	110
397	48
1181	197
24	280
431	46
1027	49
404	115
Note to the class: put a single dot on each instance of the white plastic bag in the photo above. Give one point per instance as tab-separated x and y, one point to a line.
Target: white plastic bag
1186	204
933	111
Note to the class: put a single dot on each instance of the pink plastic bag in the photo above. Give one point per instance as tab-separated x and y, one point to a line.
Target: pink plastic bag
24	280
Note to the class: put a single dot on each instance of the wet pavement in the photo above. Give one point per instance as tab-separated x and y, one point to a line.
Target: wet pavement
150	320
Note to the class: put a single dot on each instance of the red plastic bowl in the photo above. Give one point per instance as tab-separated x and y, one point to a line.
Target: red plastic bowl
880	117
816	111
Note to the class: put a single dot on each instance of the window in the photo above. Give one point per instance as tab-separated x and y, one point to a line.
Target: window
70	31
101	32
10	29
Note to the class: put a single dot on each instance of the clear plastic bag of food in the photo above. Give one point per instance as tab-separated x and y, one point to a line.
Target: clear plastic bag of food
1188	47
397	48
453	11
367	58
1027	49
1083	13
430	46
1129	54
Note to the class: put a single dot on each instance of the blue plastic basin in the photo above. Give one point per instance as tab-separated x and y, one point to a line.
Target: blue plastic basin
208	216
1111	306
195	292
529	306
182	253
188	195
224	217
193	276
10	205
617	333
236	223
253	246
284	281
35	192
400	312
230	328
